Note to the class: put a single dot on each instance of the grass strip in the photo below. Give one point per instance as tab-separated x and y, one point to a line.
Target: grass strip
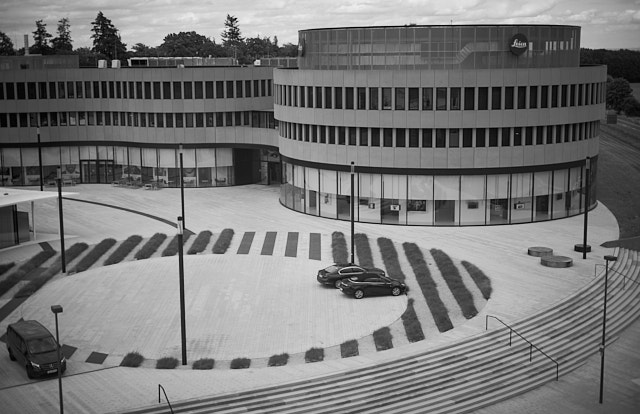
150	246
452	276
167	363
428	286
96	253
278	360
412	326
339	248
240	363
390	259
200	243
132	359
172	247
481	280
363	250
349	348
383	339
224	241
70	255
204	363
123	250
4	267
21	272
314	355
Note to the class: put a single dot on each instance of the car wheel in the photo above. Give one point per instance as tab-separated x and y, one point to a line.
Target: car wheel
337	283
11	357
395	291
358	294
30	373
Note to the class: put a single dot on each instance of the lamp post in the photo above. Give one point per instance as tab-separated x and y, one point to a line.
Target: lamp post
607	258
60	217
39	157
56	309
353	169
586	207
183	329
181	185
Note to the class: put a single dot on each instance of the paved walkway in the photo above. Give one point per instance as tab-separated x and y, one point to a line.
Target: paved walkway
521	286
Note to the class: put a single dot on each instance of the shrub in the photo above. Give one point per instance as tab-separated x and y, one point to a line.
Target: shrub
4	267
278	360
204	363
172	247
428	286
314	355
349	349
240	363
390	258
132	359
452	276
95	254
123	250
70	255
22	271
200	243
363	249
481	280
150	246
382	338
224	240
339	248
167	363
412	326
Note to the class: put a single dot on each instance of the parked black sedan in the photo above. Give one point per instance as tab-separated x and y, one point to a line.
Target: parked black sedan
371	285
333	274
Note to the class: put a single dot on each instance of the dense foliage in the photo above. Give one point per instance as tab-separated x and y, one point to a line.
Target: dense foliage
621	63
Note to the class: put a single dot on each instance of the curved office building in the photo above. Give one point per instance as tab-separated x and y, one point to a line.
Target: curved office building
445	125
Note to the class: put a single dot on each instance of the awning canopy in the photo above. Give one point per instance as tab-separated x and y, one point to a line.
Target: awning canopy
11	195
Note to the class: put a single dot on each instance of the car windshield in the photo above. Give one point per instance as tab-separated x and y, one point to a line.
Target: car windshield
332	269
41	345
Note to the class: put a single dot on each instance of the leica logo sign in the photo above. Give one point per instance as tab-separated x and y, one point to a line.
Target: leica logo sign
518	44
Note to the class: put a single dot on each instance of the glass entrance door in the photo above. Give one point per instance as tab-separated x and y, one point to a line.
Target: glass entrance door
96	171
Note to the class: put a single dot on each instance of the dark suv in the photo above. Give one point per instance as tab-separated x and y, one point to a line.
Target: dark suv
33	346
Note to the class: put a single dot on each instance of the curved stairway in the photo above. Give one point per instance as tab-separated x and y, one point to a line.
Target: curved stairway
463	376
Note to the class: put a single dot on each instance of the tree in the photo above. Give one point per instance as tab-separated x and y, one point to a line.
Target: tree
631	106
231	34
618	90
186	44
62	43
289	50
140	49
6	45
256	47
106	40
41	40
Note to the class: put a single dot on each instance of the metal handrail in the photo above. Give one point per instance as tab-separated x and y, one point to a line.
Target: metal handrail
531	345
625	277
160	387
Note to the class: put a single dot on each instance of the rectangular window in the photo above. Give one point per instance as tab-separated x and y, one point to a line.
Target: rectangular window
239	89
53	118
228	118
177	90
441	99
157	94
454	138
99	120
179	117
188	117
493	137
71	90
63	119
483	98
455	99
119	90
401	137
528	135
544	97
219	89
53	90
79	90
373	99
166	90
327	97
132	90
533	97
362	98
496	98
143	119
539	135
168	120
247	88
341	136
508	97
309	96
481	139
427	99
387	137
572	95
208	89
414	99
375	137
352	135
61	91
230	93
400	99
107	118
364	137
31	90
441	138
332	134
414	137
338	97
152	119
42	90
188	90
256	88
302	97
318	97
112	90
10	91
348	98
469	98
427	138
87	89
21	91
522	97
386	98
219	119
467	137
554	96
563	98
209	117
506	137
517	136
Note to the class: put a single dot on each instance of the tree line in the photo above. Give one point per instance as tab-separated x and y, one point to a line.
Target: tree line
108	45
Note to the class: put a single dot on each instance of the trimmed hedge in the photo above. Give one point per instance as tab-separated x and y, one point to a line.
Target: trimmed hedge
150	246
200	243
96	253
278	360
204	363
428	286
70	255
382	338
349	349
339	248
4	267
240	363
123	250
224	241
172	247
167	363
412	326
132	359
390	259
481	280
363	250
452	276
26	268
314	355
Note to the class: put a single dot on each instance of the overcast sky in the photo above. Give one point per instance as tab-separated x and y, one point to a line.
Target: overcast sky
611	24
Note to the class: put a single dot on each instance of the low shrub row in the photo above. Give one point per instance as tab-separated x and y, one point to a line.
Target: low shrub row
339	248
96	253
167	363
21	272
123	250
240	363
314	355
204	363
224	241
383	339
278	360
349	349
481	280
132	359
428	286
173	247
363	250
200	243
453	279
412	326
70	255
151	246
390	258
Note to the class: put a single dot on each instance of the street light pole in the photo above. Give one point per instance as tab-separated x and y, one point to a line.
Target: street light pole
607	258
40	158
353	169
586	207
60	217
181	185
183	329
56	309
